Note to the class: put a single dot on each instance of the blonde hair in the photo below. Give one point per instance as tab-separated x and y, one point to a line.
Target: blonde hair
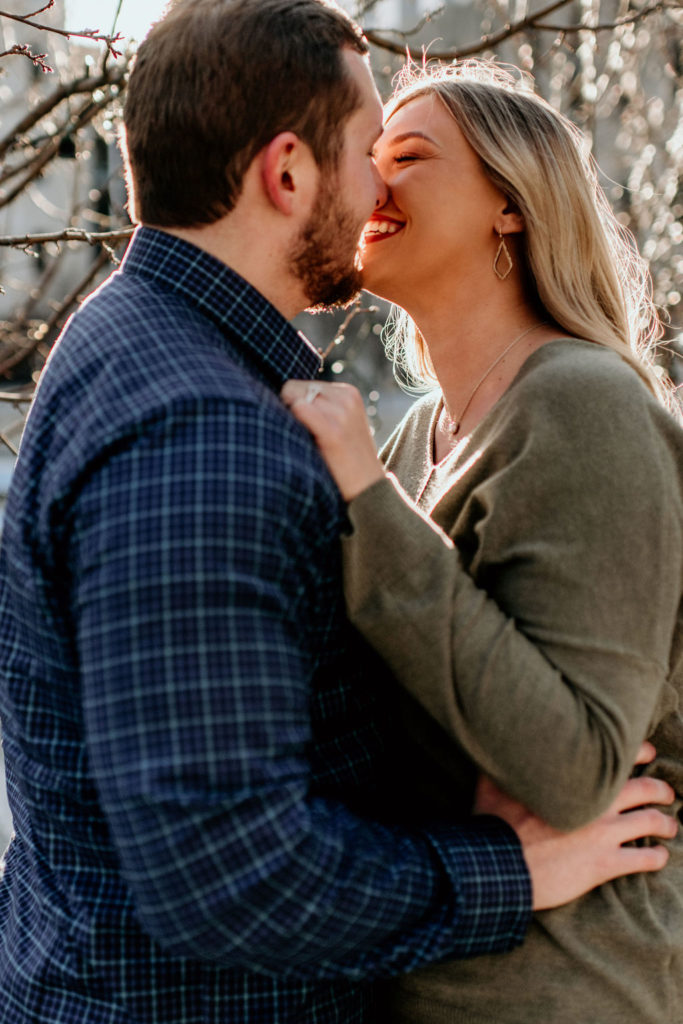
583	265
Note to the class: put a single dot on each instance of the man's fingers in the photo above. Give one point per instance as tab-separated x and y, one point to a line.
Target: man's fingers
646	822
646	754
635	859
643	790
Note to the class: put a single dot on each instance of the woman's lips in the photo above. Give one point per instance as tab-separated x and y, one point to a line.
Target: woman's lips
380	228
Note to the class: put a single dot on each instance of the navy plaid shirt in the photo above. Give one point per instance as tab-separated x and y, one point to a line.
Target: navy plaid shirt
196	741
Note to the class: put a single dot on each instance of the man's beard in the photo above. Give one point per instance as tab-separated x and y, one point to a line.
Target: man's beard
326	259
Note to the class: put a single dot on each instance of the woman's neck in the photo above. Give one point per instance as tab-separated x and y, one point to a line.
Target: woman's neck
477	346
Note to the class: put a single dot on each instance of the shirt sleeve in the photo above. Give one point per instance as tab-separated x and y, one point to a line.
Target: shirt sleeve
190	560
547	660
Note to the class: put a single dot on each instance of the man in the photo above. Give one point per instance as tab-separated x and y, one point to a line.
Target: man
197	745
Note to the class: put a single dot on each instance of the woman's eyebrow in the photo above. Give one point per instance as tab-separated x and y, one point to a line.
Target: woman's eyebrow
408	135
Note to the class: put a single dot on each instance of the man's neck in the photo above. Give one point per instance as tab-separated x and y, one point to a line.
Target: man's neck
253	258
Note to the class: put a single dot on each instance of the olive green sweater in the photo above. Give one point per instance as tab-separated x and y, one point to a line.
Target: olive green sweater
543	641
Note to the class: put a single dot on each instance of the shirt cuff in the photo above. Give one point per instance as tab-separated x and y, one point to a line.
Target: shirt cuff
491	885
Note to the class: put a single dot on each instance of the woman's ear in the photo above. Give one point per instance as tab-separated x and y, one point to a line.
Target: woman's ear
510	220
288	171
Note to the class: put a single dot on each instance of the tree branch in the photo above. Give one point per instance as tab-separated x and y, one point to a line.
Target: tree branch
92	34
340	335
14	397
530	21
41	10
604	26
69	235
34	165
21	401
483	43
21	352
426	19
24	50
85	84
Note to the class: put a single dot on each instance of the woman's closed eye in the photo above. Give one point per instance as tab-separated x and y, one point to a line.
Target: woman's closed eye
389	159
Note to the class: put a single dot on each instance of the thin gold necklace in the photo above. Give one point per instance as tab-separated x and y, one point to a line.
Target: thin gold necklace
454	425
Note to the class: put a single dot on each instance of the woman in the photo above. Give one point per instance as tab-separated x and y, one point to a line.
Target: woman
538	637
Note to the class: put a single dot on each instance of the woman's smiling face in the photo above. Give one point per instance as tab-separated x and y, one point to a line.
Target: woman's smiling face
438	220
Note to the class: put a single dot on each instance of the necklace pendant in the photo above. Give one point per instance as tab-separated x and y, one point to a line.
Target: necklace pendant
454	425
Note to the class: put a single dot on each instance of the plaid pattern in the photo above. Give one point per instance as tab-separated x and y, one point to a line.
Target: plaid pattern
197	745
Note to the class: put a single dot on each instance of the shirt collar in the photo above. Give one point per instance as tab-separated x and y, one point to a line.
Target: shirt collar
241	312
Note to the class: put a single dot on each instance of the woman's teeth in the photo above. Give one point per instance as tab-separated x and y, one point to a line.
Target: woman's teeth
383	227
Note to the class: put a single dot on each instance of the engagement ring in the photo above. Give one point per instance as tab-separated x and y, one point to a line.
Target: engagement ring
312	392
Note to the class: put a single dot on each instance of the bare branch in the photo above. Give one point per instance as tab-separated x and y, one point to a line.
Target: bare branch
57	319
627	19
69	235
21	401
85	84
362	8
483	43
35	164
16	397
92	34
23	315
426	19
6	440
24	50
41	10
531	21
340	336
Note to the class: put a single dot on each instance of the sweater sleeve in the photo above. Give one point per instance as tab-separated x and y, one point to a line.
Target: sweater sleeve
547	659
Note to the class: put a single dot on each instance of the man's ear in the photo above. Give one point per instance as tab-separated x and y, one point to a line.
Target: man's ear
288	172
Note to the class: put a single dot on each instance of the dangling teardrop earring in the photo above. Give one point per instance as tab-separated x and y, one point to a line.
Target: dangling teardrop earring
503	252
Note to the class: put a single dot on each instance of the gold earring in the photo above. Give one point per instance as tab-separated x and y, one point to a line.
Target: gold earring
505	253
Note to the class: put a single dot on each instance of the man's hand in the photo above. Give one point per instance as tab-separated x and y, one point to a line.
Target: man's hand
565	865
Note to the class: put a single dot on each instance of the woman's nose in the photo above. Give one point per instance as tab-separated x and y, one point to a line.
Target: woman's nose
382	190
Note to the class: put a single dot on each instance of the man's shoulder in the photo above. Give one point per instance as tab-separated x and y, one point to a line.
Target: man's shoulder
133	348
136	362
131	321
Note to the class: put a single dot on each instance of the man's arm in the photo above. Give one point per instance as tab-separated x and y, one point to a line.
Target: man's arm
186	557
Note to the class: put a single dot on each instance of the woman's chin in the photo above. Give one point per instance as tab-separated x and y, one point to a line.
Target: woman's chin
377	283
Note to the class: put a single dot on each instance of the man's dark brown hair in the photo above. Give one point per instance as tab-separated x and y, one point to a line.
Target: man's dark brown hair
214	83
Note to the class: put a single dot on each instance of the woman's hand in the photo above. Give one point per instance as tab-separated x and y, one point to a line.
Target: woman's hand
335	416
565	865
